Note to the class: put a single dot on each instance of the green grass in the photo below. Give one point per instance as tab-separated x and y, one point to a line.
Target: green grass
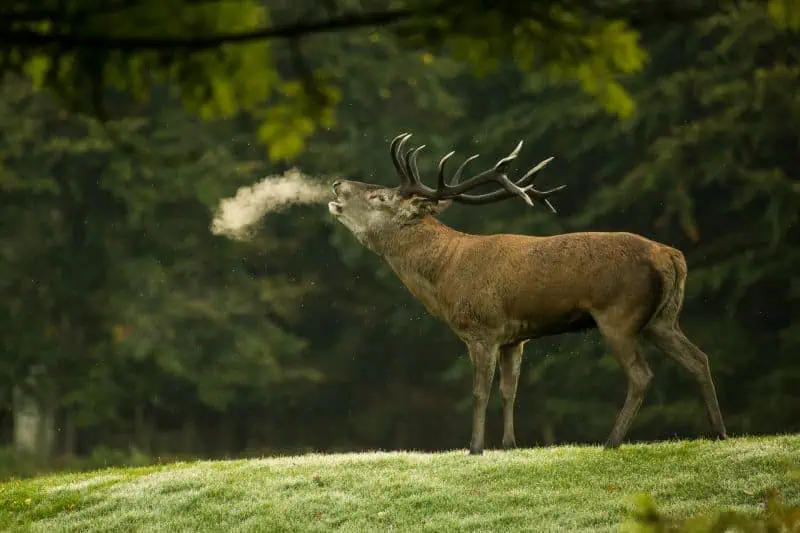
569	488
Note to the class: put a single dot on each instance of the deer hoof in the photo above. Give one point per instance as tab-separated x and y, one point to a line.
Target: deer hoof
476	451
510	445
611	445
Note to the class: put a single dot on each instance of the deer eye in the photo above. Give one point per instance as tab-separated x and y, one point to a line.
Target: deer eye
377	196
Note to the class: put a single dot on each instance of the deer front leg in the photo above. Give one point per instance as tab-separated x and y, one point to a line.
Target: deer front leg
484	360
510	363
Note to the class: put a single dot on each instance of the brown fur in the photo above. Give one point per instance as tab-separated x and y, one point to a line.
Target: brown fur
497	292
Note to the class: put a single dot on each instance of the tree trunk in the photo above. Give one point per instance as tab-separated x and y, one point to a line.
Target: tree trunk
34	424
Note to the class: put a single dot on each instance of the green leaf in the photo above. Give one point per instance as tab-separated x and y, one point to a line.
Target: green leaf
786	13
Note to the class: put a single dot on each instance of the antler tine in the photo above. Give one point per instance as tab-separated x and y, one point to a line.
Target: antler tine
399	160
407	170
529	176
460	170
440	175
480	199
501	165
496	196
407	166
486	175
393	152
545	194
525	183
496	173
412	165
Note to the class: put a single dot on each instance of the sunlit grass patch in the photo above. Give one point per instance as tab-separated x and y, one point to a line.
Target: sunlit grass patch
569	488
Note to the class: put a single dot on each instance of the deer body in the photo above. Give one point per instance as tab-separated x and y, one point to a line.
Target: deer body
513	288
496	292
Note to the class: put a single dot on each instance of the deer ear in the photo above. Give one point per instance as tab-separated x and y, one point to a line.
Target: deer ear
424	206
441	205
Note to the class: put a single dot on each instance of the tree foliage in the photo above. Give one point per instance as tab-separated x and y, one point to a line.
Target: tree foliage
775	515
216	56
110	273
139	324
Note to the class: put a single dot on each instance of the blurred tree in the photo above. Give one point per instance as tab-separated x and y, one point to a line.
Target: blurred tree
110	274
124	312
215	54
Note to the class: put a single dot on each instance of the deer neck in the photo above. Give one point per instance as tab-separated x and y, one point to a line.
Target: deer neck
419	254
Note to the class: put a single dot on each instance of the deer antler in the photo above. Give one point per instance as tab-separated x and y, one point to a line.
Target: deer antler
410	182
394	149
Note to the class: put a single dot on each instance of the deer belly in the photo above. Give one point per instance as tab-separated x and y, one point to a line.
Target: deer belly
569	322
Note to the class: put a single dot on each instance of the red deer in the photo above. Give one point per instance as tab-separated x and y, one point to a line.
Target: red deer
496	292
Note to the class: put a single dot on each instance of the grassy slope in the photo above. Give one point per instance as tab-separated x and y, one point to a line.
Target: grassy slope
552	489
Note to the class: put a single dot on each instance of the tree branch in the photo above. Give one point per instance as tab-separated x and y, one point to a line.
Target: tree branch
102	7
28	38
638	14
645	14
38	15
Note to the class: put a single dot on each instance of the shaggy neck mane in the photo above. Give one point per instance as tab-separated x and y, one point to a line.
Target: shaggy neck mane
422	250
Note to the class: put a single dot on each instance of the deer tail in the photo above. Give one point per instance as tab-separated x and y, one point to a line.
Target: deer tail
672	266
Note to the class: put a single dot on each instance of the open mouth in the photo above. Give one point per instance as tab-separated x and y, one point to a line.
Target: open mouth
335	208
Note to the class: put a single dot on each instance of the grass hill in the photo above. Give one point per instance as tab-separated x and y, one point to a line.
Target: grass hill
568	488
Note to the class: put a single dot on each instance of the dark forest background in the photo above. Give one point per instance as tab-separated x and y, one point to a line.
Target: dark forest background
130	333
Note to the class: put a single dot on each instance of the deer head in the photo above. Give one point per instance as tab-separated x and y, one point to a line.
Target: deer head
370	211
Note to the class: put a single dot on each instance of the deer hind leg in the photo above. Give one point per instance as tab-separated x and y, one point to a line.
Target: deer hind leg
484	360
669	338
510	363
625	348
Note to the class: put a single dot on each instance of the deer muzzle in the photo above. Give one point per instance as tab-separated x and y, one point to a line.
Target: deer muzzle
335	207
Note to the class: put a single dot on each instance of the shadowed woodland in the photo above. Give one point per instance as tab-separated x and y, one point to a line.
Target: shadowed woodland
130	332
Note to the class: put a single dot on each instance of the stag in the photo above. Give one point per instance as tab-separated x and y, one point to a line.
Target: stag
497	292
